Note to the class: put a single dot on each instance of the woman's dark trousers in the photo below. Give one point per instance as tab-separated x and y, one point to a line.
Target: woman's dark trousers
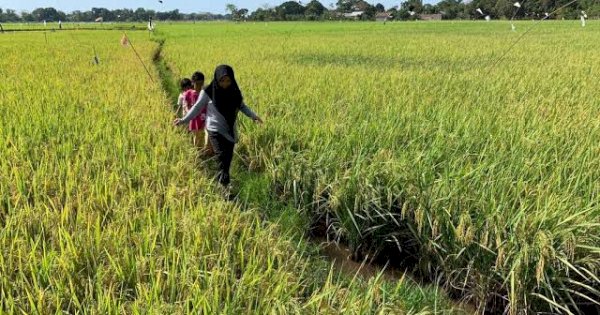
223	149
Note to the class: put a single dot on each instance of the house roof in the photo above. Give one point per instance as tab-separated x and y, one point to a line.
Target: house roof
354	14
383	15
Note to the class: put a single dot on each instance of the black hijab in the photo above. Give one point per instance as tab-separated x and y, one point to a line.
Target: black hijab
227	101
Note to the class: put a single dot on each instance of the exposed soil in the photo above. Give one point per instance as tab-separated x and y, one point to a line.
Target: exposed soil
341	256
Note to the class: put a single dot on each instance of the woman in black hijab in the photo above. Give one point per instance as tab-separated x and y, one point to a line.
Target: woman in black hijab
224	100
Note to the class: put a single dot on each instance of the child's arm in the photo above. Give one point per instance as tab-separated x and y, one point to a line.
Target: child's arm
180	99
249	113
180	102
203	100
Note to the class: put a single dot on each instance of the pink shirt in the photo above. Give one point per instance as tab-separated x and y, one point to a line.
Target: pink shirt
191	97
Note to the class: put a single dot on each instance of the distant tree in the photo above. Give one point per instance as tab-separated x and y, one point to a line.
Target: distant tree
261	15
174	15
504	8
9	16
231	8
140	15
343	5
369	10
413	5
394	12
591	7
124	15
264	13
314	9
403	14
361	5
429	9
107	14
48	14
487	6
236	14
450	8
242	13
75	16
290	10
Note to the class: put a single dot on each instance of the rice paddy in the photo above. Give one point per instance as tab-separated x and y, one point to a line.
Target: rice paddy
409	141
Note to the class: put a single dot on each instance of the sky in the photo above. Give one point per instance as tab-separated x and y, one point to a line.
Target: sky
185	6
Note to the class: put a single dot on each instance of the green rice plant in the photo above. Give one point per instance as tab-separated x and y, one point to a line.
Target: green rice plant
404	135
105	209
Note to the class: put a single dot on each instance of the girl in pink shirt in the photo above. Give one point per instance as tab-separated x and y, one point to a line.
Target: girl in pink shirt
185	84
198	124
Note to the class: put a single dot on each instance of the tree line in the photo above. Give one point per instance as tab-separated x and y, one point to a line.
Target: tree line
120	15
315	10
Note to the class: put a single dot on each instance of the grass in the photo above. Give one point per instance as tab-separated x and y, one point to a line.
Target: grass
406	140
103	208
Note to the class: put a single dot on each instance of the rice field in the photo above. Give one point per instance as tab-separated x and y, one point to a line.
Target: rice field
410	141
415	141
53	26
105	207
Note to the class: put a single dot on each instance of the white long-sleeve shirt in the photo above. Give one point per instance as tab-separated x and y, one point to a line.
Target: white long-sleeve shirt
215	122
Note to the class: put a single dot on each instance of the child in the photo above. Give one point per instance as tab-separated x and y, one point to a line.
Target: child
198	82
185	85
197	124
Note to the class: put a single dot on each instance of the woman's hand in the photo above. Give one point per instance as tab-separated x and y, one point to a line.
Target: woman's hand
177	121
